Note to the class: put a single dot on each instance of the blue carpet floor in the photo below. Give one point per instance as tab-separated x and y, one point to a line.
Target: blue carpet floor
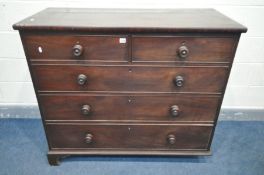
238	149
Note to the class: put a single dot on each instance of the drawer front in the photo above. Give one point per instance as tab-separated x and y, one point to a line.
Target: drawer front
76	47
193	49
149	108
125	78
128	136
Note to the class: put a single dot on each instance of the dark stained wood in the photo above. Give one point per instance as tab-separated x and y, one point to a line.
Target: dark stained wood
54	160
129	136
139	78
130	20
116	63
237	36
64	78
130	152
54	156
129	108
98	96
165	48
56	47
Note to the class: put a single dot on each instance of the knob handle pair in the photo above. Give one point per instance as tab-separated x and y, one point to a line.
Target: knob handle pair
77	50
171	139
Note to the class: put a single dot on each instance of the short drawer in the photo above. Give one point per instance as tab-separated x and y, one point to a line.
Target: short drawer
129	78
76	47
190	49
124	136
92	107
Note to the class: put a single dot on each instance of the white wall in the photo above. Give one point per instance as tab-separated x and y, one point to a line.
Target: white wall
246	85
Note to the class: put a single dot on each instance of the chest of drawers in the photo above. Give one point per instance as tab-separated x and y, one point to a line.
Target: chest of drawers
129	82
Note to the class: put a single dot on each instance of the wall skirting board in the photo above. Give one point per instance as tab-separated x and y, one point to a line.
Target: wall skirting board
32	111
19	111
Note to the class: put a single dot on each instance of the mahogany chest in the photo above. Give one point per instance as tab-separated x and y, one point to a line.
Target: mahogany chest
128	81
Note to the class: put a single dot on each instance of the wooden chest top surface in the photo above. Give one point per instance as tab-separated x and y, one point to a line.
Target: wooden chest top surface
130	20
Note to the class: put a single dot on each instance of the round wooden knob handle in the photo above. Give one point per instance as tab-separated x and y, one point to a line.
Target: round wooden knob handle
88	138
77	50
178	81
174	110
82	79
171	139
183	51
86	109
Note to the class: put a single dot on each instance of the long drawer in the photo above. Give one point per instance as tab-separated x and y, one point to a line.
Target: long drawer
99	107
129	78
77	47
182	137
185	48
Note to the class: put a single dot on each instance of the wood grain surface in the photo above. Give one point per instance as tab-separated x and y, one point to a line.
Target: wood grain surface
129	78
128	136
60	47
165	48
131	107
130	20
